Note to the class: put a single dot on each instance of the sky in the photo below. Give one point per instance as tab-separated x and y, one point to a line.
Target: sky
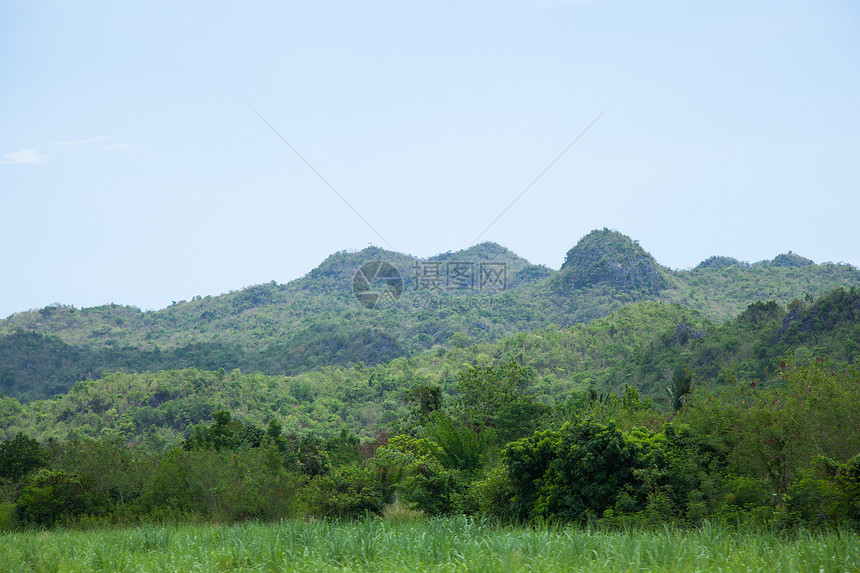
155	151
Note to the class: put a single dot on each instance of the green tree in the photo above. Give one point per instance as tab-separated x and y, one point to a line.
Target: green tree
680	388
342	449
50	496
225	433
418	476
426	399
487	391
348	491
454	444
19	456
116	472
570	473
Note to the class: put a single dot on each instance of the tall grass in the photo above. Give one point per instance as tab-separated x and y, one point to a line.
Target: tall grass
455	544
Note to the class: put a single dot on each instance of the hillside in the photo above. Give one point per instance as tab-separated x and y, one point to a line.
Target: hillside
316	321
641	345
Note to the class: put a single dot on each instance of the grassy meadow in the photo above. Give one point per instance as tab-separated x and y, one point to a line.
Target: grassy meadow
452	544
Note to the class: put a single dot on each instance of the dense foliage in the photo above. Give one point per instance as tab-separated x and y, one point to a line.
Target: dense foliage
784	455
644	345
627	412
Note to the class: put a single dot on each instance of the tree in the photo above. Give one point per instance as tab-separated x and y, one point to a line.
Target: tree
569	473
342	449
116	472
680	388
19	456
455	445
348	491
50	496
224	433
427	399
485	392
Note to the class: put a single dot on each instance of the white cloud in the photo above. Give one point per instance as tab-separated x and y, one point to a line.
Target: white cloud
82	141
32	156
124	148
24	157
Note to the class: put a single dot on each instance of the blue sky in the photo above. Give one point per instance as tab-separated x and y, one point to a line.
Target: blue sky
134	167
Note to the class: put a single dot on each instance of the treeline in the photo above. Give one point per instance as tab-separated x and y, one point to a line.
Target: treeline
34	366
781	456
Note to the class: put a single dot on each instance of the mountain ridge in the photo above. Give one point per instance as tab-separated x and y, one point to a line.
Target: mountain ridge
788	259
315	320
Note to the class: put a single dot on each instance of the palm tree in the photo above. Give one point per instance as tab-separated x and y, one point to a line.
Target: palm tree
680	387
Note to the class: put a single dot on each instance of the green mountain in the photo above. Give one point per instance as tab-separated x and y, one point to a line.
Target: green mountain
640	345
481	294
608	258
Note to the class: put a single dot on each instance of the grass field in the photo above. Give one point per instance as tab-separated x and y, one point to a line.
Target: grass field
456	544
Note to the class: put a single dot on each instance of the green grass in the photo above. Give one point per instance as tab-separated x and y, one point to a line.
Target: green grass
456	544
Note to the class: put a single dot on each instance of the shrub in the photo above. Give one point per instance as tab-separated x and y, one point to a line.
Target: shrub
348	491
815	502
492	494
51	496
8	517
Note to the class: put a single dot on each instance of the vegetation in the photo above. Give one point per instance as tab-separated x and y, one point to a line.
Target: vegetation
644	345
452	544
610	258
315	321
779	456
650	417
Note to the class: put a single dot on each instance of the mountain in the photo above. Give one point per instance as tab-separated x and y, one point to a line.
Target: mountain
335	316
611	259
641	344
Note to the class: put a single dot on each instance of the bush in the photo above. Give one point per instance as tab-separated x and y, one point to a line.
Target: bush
49	497
348	491
220	485
431	487
816	502
492	494
678	471
829	497
8	517
418	476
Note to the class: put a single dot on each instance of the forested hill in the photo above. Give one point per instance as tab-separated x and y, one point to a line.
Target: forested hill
642	345
481	294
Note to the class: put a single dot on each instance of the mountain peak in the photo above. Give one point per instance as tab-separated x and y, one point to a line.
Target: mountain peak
336	272
790	259
607	257
487	251
720	262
